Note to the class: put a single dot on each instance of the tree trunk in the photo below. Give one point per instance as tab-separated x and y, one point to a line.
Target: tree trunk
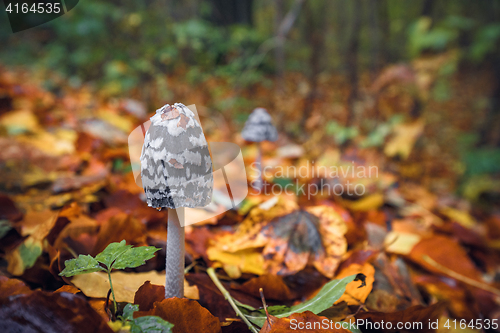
352	60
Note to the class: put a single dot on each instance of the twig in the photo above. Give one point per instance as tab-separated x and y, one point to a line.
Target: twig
460	277
229	298
265	305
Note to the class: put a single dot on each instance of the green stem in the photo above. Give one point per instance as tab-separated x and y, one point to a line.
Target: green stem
229	298
112	291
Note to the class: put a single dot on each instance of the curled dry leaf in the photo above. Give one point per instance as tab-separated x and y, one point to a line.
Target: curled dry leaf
186	315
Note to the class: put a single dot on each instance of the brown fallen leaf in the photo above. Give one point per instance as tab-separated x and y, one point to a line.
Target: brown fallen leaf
186	315
8	210
447	253
119	227
9	287
50	312
415	314
273	285
148	294
68	289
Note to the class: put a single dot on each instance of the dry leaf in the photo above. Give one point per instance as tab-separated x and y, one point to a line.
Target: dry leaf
303	322
404	138
125	285
186	315
354	294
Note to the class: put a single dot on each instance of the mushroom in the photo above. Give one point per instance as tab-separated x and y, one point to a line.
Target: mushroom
259	128
176	172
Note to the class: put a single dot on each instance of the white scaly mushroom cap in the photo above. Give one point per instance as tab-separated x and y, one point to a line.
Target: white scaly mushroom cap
259	127
176	168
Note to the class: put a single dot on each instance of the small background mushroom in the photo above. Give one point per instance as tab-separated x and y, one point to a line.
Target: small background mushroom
176	172
259	128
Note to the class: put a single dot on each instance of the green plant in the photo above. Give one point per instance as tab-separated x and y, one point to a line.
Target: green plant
323	300
115	256
149	324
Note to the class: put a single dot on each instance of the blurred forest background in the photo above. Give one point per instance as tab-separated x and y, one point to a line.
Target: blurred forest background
318	66
341	72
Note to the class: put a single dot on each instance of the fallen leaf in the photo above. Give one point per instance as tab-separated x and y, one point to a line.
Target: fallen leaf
68	289
50	312
324	299
304	322
354	294
125	285
370	202
25	255
461	217
447	253
416	315
273	286
404	138
10	287
186	315
401	242
148	294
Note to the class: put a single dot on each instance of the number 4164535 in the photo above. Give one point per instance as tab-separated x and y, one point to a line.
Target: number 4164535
36	8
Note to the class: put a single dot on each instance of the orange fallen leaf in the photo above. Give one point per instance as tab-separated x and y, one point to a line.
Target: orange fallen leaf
186	315
353	293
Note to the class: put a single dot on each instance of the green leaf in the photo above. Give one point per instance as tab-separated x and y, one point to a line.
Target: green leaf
134	257
146	324
150	324
128	311
4	227
328	295
81	265
30	251
112	252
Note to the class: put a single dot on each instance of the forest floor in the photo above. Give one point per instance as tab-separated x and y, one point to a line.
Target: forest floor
425	253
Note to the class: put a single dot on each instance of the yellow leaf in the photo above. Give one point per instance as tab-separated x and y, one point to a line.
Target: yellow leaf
19	122
124	284
401	242
371	202
404	138
459	216
247	261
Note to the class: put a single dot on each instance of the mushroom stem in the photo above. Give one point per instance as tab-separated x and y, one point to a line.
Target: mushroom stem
259	182
174	264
